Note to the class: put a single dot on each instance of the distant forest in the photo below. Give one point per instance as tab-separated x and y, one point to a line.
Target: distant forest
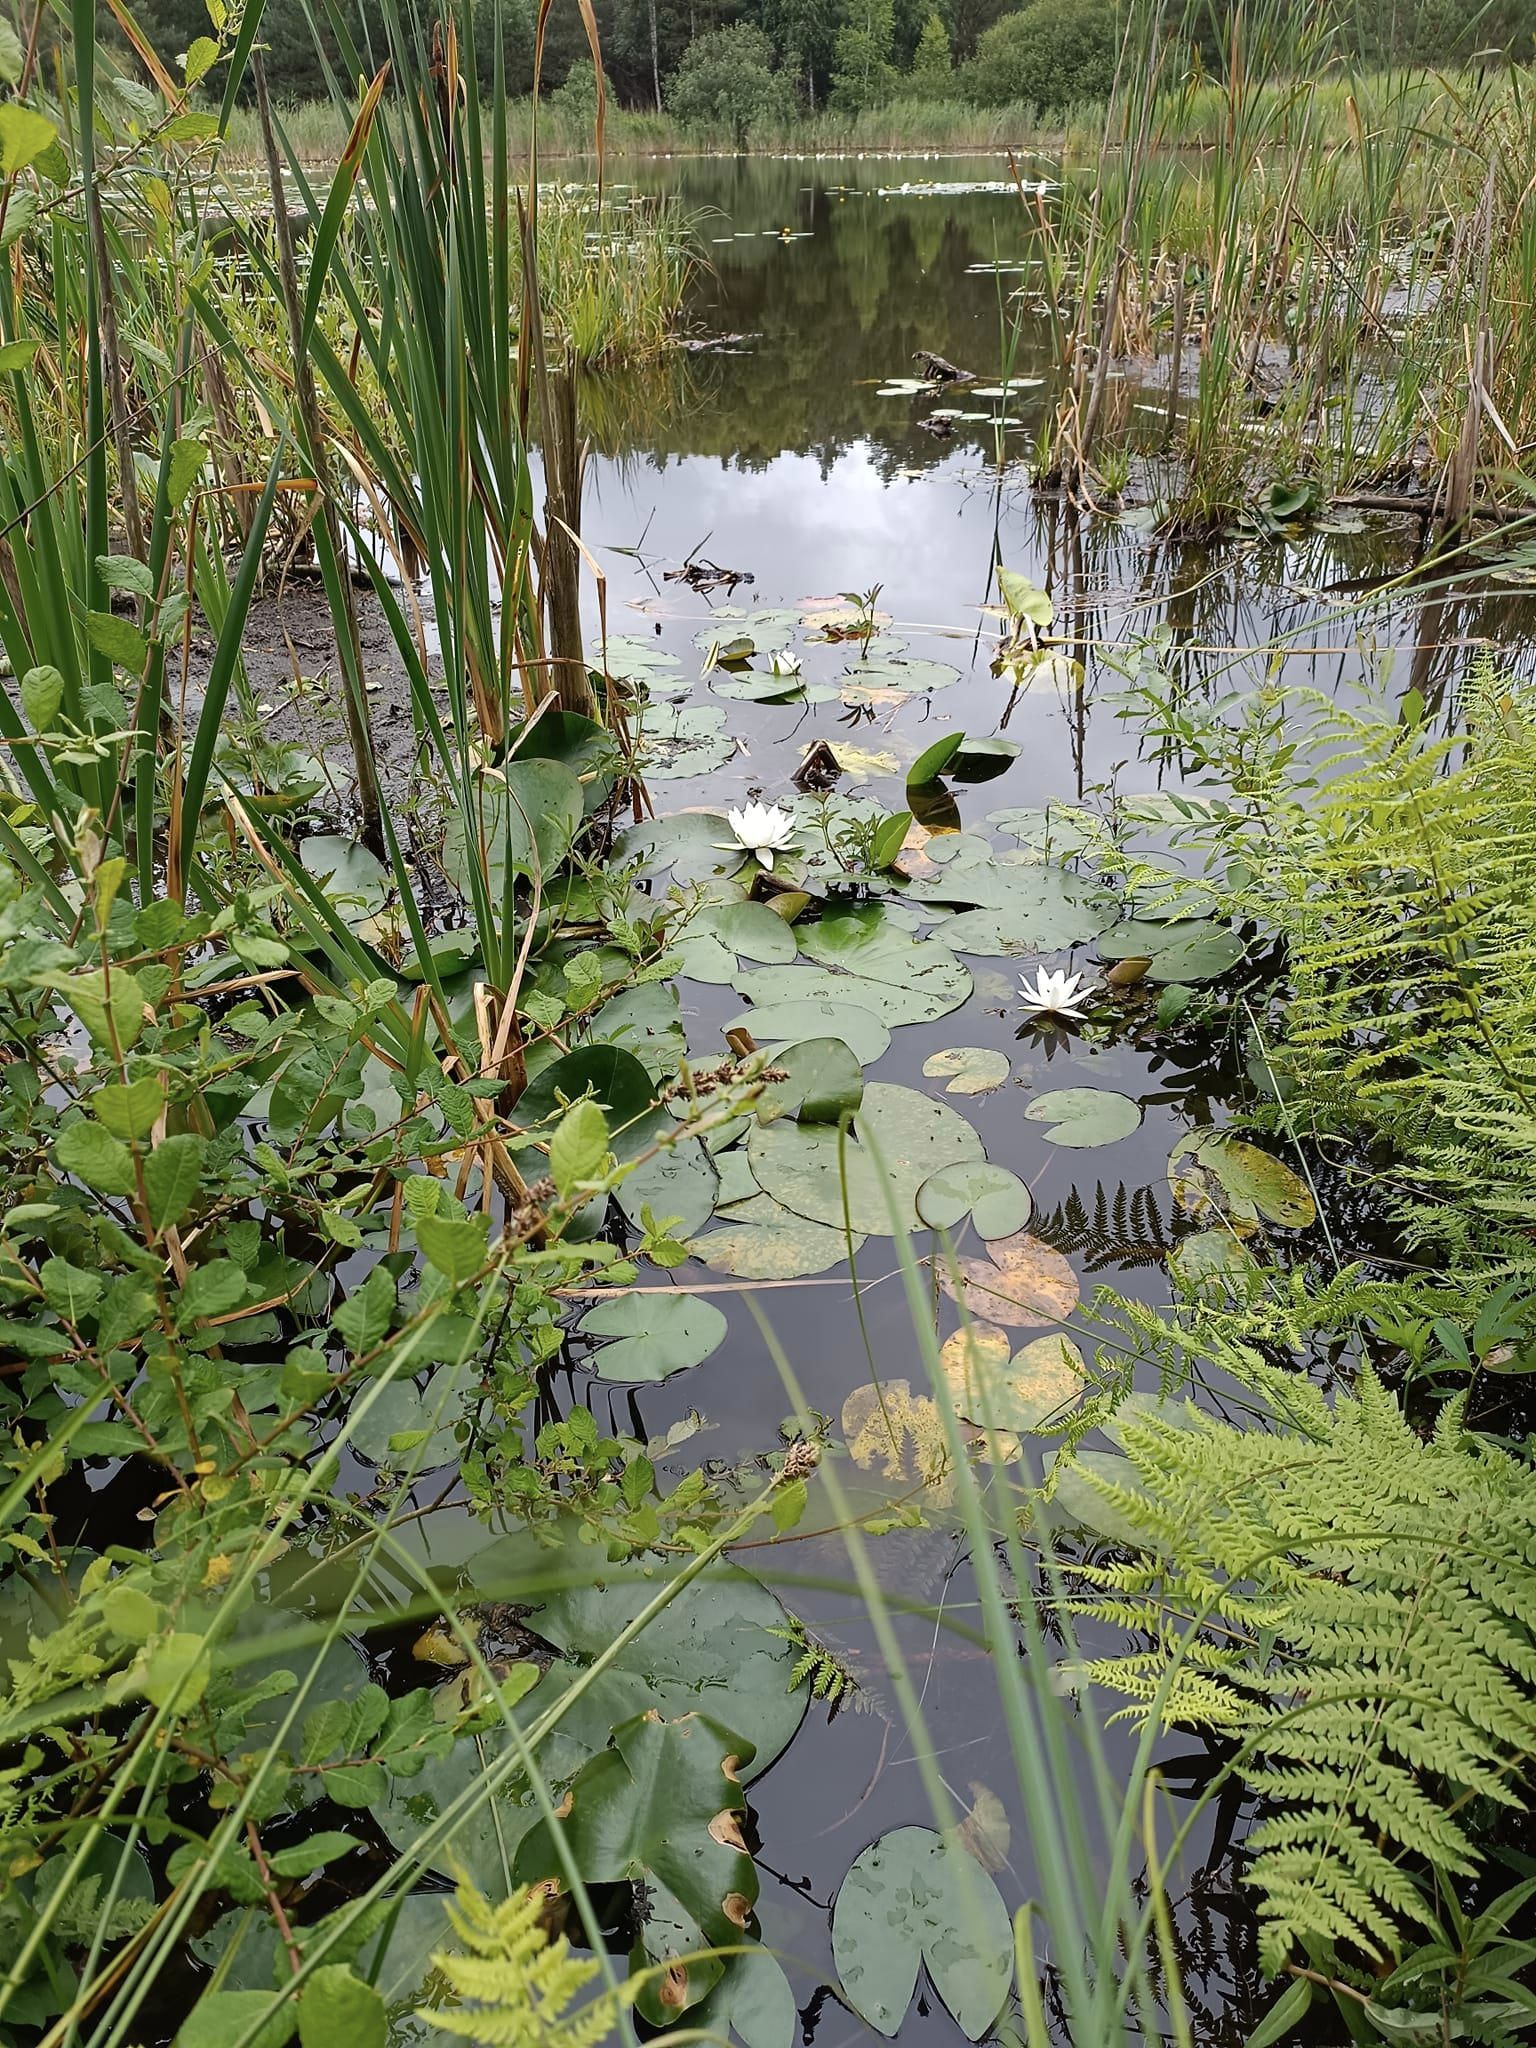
750	59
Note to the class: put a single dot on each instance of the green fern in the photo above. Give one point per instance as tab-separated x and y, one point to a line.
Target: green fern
1400	869
1356	1609
829	1677
514	1985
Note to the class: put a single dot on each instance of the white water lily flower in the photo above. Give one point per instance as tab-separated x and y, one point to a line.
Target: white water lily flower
762	830
1054	994
783	662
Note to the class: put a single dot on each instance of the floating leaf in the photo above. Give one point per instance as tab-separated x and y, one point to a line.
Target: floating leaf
524	827
1018	1392
1021	1281
971	1069
693	844
754	2000
1082	1117
1215	1262
1212	1174
907	678
353	879
890	1429
759	1239
1197	958
825	1083
662	1807
910	1899
684	739
777	1022
655	1335
900	1138
410	1428
997	1201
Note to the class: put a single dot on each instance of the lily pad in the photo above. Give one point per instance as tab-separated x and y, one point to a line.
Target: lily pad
1194	959
996	1388
997	1201
663	1807
825	1082
684	739
936	990
970	1069
350	877
646	1019
680	1181
722	933
411	1428
909	677
760	1239
628	655
900	1138
1021	1281
754	2000
911	1899
523	826
1214	1175
621	1086
588	749
1215	1263
655	1335
689	843
712	1643
858	1027
1081	1117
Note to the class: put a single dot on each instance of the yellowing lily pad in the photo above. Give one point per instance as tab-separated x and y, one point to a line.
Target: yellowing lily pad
1018	1392
1022	1282
1213	1175
899	1434
762	1240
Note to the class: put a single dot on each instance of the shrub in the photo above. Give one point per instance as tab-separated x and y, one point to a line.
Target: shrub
726	80
1050	54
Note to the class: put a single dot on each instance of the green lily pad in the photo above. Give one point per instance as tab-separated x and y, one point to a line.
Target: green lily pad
621	1086
935	994
692	844
913	676
997	1201
759	1239
662	1807
684	739
899	1140
722	933
628	655
350	877
655	1335
588	749
411	1428
524	826
646	1019
754	2000
857	1026
1215	1262
680	1181
1085	1116
981	760
825	1082
913	1898
970	1069
1202	958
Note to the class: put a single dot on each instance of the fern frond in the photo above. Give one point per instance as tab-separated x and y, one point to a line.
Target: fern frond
1357	1607
514	1986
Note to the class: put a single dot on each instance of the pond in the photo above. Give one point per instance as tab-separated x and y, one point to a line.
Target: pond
818	565
779	450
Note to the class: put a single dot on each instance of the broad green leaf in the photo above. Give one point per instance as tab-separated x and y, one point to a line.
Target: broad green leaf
202	55
824	1082
24	137
1023	599
455	1245
17	355
338	2010
1213	1175
118	639
579	1148
899	1140
933	984
1083	1117
171	1175
350	877
912	1898
186	466
524	827
220	2017
754	2000
129	1108
110	1007
42	692
655	1335
177	1669
93	1155
934	759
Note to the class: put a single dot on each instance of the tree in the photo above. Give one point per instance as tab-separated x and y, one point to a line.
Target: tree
932	75
1050	54
726	80
862	73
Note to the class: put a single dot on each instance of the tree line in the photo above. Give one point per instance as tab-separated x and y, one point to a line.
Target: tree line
739	64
